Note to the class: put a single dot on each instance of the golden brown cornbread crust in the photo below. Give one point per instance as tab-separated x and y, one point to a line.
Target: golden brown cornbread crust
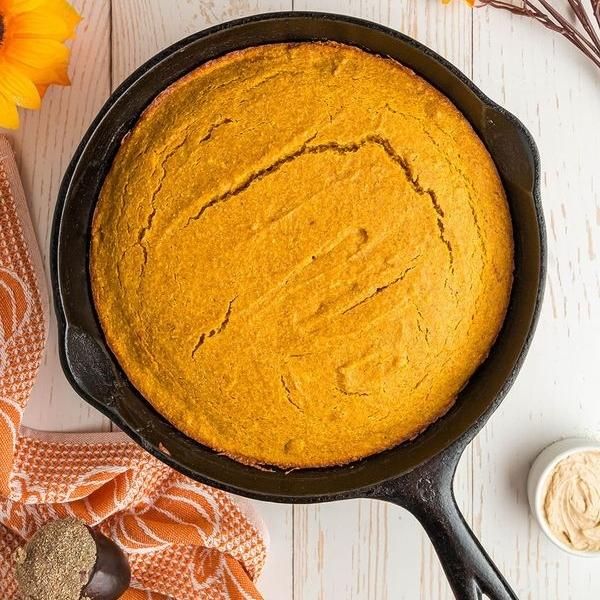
301	254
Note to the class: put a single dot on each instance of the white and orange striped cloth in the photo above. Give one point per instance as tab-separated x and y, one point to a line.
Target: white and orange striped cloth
184	540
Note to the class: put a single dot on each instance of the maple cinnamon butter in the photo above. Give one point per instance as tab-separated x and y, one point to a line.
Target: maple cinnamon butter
301	254
572	501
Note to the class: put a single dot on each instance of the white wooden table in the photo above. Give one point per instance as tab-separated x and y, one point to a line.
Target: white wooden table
365	549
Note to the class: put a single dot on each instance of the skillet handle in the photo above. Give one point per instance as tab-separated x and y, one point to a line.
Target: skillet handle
427	493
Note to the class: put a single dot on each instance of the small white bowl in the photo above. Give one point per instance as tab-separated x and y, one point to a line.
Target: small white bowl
537	483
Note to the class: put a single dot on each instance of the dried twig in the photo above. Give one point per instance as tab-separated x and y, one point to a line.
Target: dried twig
596	9
584	34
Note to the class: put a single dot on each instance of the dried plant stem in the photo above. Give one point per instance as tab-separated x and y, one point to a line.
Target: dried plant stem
585	34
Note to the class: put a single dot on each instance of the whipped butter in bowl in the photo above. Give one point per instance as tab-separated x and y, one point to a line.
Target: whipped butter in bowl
564	495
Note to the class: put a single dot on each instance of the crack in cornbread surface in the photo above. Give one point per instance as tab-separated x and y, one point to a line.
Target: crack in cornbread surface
301	254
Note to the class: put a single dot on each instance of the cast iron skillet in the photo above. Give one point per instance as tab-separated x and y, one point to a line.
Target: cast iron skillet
416	475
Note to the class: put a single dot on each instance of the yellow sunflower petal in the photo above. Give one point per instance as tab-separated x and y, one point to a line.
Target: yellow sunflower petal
56	74
9	117
63	10
14	7
17	87
38	24
60	75
40	54
32	55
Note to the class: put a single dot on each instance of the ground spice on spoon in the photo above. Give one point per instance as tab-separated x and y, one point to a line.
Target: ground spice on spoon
56	562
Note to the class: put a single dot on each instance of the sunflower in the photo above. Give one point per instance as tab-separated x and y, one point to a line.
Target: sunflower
32	53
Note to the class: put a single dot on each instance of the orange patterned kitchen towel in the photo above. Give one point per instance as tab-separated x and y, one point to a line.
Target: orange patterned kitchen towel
184	540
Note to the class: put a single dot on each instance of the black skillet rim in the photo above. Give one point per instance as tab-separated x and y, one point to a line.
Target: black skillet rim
274	493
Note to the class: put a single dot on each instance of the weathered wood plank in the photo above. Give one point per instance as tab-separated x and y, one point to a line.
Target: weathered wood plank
556	93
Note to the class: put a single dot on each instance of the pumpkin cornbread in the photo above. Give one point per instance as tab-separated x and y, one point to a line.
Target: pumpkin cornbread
301	254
